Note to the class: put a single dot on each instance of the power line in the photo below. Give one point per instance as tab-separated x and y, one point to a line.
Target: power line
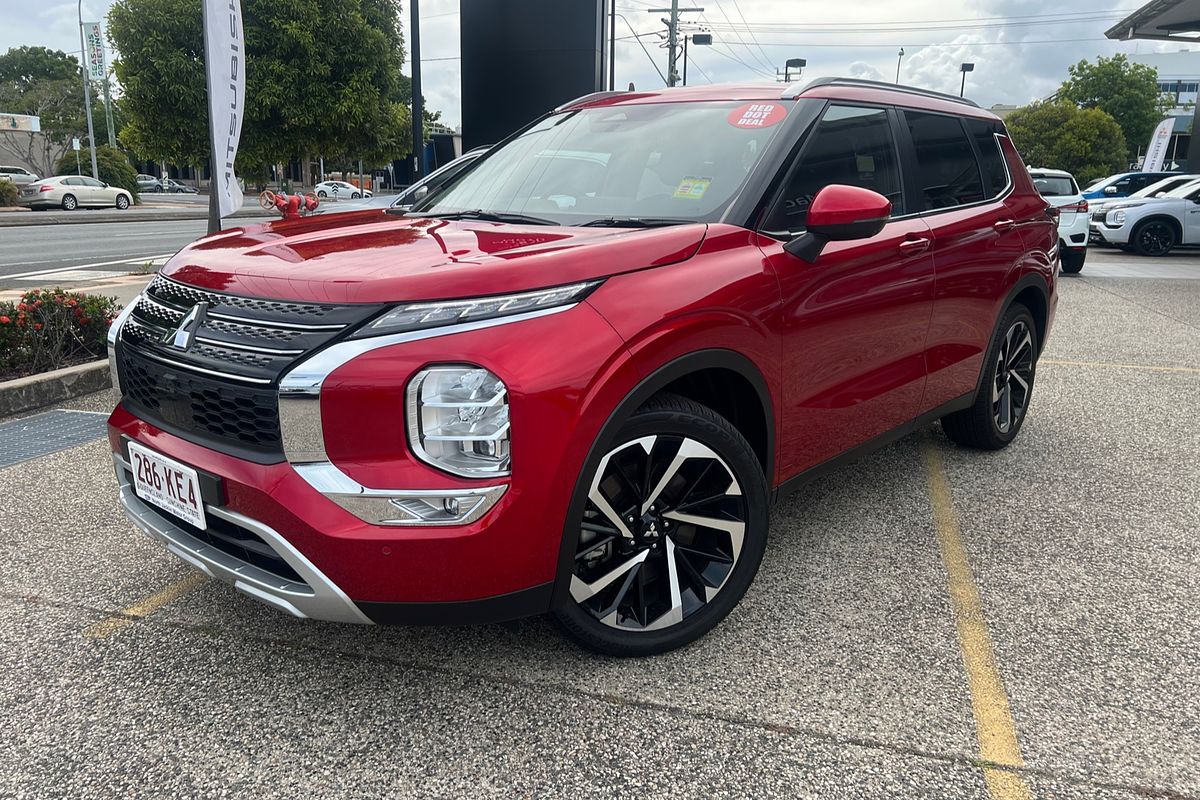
734	29
653	63
692	61
738	9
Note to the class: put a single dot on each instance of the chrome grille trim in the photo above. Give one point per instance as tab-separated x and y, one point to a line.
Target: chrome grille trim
193	368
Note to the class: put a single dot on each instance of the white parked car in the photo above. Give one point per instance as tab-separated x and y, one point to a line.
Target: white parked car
18	175
1153	226
1099	208
1061	191
339	190
70	192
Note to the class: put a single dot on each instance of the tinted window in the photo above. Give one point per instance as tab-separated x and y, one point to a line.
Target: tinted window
851	145
991	159
73	181
1053	185
91	182
947	173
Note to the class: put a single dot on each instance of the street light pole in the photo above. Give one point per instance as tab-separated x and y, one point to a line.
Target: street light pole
899	59
418	110
965	68
87	92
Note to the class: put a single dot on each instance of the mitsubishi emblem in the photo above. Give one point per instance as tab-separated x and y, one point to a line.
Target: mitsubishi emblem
183	335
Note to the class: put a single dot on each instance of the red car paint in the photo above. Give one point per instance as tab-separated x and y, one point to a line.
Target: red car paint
874	334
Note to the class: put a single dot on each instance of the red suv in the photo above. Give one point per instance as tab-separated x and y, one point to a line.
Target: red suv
575	379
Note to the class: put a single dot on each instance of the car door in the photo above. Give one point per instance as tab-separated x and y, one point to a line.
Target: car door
854	321
92	192
1190	216
963	190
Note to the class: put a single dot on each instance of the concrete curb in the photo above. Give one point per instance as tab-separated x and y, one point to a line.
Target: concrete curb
48	388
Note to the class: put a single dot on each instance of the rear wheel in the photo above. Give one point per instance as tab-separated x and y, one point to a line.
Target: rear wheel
1003	399
69	203
1072	261
1154	238
671	535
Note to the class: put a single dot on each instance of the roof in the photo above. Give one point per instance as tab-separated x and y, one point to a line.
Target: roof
826	88
1050	173
1173	20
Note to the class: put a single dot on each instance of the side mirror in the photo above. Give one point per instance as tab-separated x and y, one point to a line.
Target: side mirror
840	213
1110	190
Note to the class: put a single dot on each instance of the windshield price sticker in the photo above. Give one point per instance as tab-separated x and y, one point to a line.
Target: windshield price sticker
757	115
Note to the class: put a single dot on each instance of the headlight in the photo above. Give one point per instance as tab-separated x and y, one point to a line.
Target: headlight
415	316
458	420
1116	218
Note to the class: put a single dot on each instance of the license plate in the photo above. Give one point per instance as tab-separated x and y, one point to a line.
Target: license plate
166	483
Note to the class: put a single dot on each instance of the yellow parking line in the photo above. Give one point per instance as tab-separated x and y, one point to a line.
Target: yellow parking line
143	608
994	725
1110	365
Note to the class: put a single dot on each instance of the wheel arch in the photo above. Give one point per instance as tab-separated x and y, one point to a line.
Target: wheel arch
696	376
1175	224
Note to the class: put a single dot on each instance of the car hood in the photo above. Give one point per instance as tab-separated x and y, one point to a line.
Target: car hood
373	256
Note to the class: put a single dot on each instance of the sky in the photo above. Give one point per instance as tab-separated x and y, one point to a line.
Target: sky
1014	63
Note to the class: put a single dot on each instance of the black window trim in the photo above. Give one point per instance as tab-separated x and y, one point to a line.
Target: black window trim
1008	188
800	148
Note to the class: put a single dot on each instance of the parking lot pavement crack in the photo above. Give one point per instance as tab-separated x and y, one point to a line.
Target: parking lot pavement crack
309	648
1143	306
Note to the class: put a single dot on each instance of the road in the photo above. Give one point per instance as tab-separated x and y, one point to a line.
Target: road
40	253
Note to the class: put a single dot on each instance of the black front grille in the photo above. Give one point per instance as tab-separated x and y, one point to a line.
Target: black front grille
222	390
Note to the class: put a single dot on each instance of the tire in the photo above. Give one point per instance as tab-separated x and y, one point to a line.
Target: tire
122	202
355	196
69	203
1154	237
641	590
1072	261
322	194
1010	367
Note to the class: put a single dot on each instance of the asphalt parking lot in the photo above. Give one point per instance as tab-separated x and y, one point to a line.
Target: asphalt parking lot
929	622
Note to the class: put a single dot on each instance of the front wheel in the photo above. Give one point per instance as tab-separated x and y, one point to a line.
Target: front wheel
355	196
122	202
1003	398
672	532
1154	238
322	194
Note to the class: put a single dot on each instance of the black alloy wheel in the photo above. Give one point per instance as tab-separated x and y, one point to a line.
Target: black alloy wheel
1154	238
1002	402
672	532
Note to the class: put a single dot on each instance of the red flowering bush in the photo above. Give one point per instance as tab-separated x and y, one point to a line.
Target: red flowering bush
51	328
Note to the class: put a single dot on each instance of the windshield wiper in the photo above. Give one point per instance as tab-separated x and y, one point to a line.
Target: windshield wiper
488	216
636	222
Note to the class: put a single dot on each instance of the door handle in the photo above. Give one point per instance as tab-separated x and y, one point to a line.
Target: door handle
911	247
1003	225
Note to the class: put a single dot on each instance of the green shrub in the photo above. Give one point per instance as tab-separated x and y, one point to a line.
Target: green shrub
113	165
51	328
8	193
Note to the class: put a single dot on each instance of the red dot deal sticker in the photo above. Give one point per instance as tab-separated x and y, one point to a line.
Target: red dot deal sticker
757	115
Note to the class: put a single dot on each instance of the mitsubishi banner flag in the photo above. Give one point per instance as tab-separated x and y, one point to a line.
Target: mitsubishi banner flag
225	62
94	56
1157	150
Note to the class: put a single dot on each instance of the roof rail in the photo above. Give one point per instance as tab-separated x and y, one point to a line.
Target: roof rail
795	89
590	98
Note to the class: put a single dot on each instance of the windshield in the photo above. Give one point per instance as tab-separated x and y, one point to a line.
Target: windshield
1100	184
1165	185
1054	185
1183	191
683	161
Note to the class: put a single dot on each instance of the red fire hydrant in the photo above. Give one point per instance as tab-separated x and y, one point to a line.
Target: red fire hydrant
291	206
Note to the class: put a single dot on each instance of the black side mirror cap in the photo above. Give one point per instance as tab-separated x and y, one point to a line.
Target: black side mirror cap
807	246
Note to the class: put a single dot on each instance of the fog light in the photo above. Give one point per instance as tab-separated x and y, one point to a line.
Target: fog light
458	420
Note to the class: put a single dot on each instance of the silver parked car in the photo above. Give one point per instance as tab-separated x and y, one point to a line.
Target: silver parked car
146	183
18	175
70	192
339	190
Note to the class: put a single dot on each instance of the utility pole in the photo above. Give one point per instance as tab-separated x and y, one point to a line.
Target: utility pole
418	110
685	41
672	24
612	45
87	92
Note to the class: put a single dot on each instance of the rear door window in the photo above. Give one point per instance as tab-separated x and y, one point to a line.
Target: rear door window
947	172
991	159
852	145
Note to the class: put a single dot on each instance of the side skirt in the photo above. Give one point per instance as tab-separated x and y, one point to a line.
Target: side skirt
870	446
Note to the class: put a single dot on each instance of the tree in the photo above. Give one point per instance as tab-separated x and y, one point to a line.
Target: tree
1088	142
1126	91
322	76
43	83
